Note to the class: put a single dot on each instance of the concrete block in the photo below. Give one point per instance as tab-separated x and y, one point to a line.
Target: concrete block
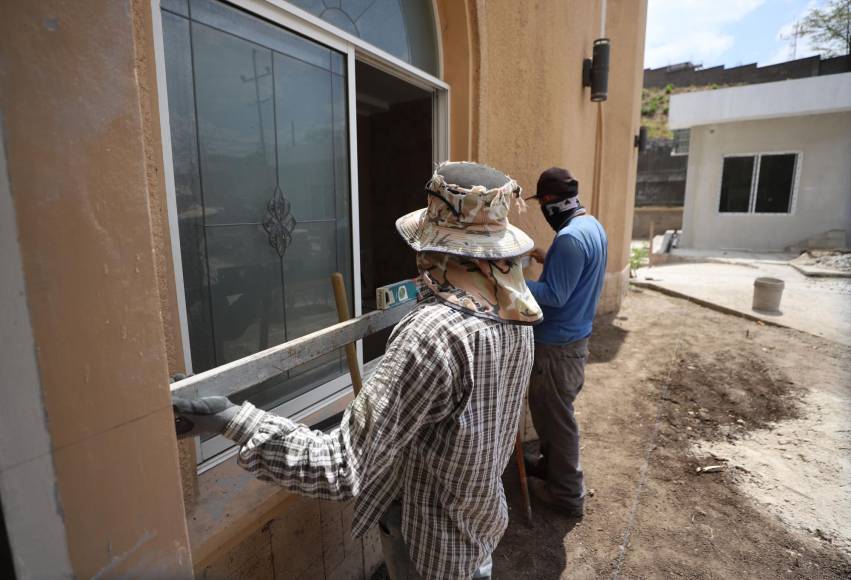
251	560
296	540
351	568
333	543
315	571
347	514
373	557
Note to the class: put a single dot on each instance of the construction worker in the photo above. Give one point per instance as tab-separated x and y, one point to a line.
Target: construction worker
568	291
423	446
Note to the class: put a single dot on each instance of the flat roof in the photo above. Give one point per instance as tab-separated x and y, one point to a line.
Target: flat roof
792	98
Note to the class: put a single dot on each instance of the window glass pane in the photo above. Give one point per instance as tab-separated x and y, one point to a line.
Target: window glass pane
736	184
260	143
422	33
383	25
184	144
233	80
305	137
308	266
257	30
178	6
776	180
403	28
245	280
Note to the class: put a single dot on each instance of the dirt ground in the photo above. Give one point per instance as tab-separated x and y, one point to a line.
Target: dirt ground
672	386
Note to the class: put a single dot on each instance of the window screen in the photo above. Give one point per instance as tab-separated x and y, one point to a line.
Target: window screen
774	187
736	181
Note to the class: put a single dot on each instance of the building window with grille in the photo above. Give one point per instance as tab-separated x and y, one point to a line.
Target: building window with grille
760	183
680	142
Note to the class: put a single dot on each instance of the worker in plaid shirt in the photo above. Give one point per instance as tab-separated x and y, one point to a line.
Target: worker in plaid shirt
422	448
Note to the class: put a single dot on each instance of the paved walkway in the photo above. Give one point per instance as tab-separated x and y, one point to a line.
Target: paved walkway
820	306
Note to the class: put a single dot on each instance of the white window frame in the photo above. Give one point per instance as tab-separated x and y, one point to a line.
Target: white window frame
793	200
330	398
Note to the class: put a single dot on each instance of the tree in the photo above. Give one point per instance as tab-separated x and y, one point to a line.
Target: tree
828	28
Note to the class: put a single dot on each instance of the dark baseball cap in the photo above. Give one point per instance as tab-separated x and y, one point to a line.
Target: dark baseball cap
556	181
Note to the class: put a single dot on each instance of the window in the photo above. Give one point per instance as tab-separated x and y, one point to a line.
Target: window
261	128
680	142
260	151
763	183
404	28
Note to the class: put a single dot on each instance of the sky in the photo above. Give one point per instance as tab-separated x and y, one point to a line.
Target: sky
728	32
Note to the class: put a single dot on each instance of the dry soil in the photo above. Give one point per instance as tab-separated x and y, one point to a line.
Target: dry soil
670	387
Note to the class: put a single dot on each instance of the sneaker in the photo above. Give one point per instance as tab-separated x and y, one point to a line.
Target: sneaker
541	491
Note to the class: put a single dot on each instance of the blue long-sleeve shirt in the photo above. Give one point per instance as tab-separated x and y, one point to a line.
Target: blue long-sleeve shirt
570	285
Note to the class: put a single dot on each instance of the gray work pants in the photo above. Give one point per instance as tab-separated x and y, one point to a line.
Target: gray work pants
557	377
396	558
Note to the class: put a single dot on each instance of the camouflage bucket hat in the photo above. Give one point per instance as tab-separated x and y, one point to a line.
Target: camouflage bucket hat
467	214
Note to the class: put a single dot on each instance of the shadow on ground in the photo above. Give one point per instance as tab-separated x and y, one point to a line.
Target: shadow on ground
542	542
607	338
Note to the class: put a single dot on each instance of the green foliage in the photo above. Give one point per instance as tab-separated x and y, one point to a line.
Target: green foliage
638	256
828	28
669	88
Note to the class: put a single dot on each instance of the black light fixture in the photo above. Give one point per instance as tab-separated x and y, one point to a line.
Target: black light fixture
641	139
595	70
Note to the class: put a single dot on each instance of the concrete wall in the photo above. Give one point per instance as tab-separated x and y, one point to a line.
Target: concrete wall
687	74
662	217
823	199
661	179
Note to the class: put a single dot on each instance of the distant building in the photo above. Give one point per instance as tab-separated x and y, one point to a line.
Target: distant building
769	165
661	179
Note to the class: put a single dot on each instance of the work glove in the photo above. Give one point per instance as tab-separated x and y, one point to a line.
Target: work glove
204	416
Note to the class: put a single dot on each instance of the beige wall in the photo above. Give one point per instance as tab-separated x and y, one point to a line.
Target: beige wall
534	112
823	199
80	148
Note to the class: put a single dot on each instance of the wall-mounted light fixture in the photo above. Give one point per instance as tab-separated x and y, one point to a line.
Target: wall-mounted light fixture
595	70
641	139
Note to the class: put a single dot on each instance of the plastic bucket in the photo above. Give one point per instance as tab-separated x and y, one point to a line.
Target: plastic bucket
767	293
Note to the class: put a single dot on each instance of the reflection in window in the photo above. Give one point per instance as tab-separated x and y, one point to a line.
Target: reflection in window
260	149
404	28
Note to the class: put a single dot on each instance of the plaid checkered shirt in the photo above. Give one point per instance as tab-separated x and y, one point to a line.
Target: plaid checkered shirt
434	427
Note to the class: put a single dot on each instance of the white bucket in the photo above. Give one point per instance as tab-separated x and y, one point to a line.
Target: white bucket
767	293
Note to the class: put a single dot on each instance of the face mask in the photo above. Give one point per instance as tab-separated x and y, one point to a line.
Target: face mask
559	213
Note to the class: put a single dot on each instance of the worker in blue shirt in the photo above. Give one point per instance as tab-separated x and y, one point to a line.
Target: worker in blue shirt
568	291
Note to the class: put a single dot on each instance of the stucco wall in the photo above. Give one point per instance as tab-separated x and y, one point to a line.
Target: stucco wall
823	198
80	146
534	112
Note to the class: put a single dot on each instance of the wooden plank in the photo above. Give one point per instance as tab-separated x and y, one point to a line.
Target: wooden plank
252	370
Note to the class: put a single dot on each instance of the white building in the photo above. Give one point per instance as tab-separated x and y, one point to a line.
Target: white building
769	164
